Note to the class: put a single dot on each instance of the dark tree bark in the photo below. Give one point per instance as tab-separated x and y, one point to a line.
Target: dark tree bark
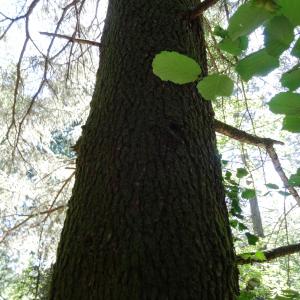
147	218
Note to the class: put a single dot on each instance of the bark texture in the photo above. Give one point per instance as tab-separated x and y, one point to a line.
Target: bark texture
147	218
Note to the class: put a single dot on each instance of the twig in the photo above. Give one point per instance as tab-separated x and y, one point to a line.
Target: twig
72	39
269	254
18	225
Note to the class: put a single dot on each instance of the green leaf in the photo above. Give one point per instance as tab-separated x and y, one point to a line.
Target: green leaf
224	162
246	19
212	86
257	63
241	172
291	9
242	226
285	103
259	255
272	186
228	175
252	239
175	67
278	35
295	179
246	295
296	49
234	47
219	31
248	194
283	193
291	79
246	255
291	123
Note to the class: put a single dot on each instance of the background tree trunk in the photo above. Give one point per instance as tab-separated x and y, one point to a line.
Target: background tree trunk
147	219
256	218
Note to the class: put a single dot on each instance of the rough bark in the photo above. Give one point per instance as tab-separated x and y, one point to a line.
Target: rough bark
147	218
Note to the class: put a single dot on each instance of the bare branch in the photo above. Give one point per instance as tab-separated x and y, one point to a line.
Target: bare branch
72	39
243	136
269	254
274	157
29	217
266	143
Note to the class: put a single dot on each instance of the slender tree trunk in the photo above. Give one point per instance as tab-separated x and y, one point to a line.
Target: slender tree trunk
256	218
147	218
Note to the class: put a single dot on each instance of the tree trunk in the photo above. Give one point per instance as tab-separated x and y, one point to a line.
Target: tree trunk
147	218
256	218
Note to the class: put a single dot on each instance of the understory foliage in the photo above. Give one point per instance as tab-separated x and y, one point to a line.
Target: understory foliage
46	83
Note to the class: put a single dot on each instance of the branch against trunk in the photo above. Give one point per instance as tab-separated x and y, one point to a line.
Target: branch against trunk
243	136
269	254
72	39
201	8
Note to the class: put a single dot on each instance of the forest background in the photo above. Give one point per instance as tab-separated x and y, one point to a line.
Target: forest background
48	61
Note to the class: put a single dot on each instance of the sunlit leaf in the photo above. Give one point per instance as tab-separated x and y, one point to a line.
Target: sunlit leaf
246	19
285	103
175	67
258	63
278	35
291	79
215	85
291	123
259	255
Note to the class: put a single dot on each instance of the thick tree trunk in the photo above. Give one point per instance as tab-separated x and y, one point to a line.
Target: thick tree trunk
147	219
